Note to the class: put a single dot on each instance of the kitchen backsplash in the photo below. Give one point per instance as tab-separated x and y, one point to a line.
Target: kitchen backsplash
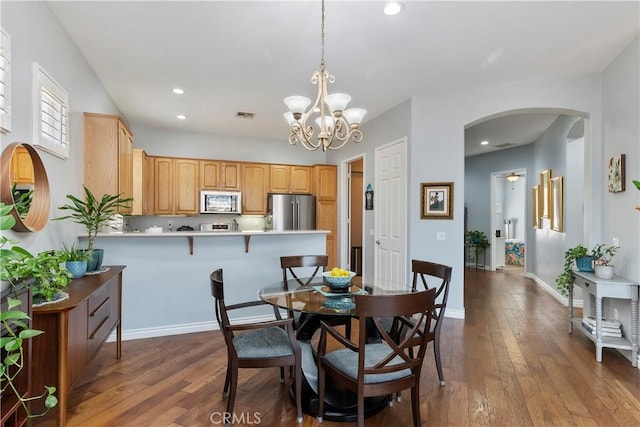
141	223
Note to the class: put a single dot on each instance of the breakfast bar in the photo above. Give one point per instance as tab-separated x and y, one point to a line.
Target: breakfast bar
168	289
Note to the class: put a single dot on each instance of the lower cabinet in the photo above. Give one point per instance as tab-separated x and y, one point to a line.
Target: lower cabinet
74	331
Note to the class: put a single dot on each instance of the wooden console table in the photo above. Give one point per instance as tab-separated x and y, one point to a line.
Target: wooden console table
617	287
74	331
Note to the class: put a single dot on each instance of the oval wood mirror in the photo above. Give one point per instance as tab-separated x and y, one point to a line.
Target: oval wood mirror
25	186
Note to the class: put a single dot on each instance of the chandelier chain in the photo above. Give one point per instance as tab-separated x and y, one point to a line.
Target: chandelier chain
322	39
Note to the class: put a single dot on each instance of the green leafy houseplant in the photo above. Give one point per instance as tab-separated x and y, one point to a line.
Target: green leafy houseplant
476	238
93	213
72	253
637	184
564	280
603	254
13	322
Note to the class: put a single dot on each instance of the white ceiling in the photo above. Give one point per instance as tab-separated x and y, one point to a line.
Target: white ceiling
233	56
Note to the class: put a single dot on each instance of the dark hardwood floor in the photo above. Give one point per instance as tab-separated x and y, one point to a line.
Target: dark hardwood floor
511	362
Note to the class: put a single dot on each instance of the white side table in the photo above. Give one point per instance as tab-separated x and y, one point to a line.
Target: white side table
618	287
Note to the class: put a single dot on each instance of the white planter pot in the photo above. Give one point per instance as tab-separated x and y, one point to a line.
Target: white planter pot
604	271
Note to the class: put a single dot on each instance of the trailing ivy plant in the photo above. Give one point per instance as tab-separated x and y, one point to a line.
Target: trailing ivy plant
565	279
13	321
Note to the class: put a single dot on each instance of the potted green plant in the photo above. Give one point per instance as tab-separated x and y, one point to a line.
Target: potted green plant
637	184
93	213
603	255
15	329
476	238
571	255
75	259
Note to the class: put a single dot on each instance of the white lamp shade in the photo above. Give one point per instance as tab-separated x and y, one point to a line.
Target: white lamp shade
297	104
289	117
337	101
328	122
354	116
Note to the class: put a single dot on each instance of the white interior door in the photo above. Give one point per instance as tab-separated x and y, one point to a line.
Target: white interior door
390	212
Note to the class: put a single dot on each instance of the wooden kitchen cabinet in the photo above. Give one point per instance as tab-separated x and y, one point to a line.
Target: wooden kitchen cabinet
74	330
290	179
325	188
176	182
143	188
22	167
108	156
219	175
255	185
325	182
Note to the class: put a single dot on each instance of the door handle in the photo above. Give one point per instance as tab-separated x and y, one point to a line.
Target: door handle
377	242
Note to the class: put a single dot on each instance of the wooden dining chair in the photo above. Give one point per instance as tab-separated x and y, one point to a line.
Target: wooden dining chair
439	275
291	266
384	367
255	345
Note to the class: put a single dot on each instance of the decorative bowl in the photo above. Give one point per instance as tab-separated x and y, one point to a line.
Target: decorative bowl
337	282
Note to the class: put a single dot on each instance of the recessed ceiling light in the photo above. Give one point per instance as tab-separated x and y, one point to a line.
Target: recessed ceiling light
484	143
181	117
177	90
393	8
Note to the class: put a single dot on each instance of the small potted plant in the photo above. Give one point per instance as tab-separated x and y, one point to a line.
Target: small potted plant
603	255
93	213
637	184
579	255
75	259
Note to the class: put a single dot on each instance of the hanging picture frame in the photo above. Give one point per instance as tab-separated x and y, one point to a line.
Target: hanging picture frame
436	200
616	176
557	204
545	190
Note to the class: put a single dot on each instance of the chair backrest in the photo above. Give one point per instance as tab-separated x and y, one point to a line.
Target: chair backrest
217	291
413	312
289	263
423	270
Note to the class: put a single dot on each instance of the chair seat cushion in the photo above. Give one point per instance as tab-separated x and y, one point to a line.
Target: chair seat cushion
346	361
270	342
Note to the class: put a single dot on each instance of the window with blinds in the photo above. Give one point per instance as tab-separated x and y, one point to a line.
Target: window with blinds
5	81
51	114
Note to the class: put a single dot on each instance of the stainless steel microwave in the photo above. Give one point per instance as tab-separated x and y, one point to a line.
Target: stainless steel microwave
224	202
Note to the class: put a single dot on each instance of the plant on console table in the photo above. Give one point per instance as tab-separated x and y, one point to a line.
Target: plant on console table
571	256
14	326
476	239
602	256
93	213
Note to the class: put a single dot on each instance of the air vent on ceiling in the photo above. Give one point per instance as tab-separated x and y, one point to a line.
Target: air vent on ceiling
505	145
245	115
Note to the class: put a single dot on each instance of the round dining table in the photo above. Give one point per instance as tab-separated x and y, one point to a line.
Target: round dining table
316	301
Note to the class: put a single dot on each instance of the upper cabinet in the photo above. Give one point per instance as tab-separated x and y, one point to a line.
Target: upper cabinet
108	156
255	179
143	187
176	186
289	179
325	182
219	175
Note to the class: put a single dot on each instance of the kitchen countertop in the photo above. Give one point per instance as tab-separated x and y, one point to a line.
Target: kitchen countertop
209	233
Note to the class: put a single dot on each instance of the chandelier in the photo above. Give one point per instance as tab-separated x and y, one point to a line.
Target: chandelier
336	126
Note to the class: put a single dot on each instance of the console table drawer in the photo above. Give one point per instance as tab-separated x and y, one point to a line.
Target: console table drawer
99	316
97	298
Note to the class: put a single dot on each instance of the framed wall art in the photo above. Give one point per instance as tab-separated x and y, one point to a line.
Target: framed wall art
545	193
616	174
436	200
535	206
557	204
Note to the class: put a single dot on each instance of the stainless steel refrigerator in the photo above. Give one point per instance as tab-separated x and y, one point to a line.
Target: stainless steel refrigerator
292	211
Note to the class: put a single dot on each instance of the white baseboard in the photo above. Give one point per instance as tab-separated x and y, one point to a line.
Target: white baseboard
454	314
552	291
185	328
